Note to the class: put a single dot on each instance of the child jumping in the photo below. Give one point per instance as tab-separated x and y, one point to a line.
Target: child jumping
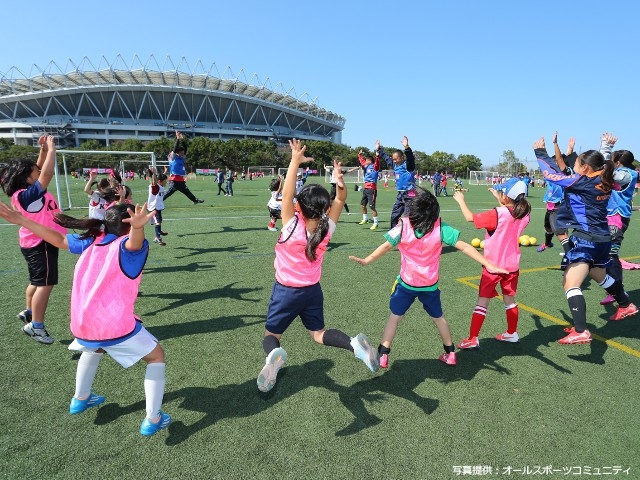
586	196
26	182
309	223
113	253
504	225
155	203
419	238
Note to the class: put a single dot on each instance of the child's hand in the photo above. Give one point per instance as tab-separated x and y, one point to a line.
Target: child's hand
495	269
42	141
92	175
377	145
555	137
337	174
152	170
51	142
495	193
458	196
405	142
297	152
572	143
139	216
609	138
361	261
9	214
539	143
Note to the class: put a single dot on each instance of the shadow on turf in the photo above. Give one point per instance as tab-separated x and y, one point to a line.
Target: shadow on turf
199	251
209	325
181	299
190	267
626	328
472	361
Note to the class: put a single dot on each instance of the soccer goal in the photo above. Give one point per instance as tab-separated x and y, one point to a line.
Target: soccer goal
76	165
262	171
355	176
482	177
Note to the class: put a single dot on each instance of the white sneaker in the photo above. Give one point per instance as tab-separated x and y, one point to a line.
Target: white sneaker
273	229
38	334
273	364
508	337
364	351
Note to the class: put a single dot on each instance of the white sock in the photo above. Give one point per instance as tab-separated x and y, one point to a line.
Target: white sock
154	381
365	216
375	220
86	373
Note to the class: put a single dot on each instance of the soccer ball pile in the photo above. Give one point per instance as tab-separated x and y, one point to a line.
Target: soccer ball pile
524	240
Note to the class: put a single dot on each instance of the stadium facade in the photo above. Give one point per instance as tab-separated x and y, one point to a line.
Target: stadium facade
115	101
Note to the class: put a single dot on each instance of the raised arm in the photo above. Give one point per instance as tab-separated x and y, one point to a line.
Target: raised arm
42	141
54	237
607	141
408	153
138	219
289	188
341	193
92	177
47	170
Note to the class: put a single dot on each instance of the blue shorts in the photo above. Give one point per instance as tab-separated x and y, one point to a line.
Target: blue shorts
596	254
402	298
287	303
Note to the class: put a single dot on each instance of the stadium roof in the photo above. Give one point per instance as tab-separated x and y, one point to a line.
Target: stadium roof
151	73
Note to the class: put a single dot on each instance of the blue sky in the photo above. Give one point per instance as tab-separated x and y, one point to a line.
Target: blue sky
476	77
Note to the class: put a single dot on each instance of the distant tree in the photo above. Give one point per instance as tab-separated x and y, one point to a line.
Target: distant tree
465	163
510	165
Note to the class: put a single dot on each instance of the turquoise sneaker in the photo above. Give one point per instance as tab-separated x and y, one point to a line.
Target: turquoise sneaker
79	406
364	351
149	428
267	377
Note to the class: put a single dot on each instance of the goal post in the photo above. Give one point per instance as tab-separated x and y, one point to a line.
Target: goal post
262	171
482	177
70	182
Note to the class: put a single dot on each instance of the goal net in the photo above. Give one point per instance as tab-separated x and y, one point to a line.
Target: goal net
76	165
355	176
259	172
482	177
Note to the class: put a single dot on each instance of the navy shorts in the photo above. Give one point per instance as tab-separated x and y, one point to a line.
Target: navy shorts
42	261
369	197
287	303
596	254
402	298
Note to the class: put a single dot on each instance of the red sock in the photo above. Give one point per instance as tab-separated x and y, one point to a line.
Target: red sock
272	224
477	319
512	318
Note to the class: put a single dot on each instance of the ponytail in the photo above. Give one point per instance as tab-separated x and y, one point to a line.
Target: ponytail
316	237
314	202
93	227
607	175
521	207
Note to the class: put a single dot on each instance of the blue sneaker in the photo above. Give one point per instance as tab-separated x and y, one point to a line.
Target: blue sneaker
275	361
364	351
79	406
149	428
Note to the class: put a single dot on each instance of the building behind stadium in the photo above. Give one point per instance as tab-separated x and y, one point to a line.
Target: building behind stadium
115	101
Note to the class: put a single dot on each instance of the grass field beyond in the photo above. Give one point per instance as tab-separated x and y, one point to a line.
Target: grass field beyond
502	410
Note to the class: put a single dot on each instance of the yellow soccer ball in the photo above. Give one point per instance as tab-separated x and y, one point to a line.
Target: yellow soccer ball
524	240
482	244
475	242
533	240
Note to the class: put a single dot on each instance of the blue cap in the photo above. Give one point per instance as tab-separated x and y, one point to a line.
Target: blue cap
512	188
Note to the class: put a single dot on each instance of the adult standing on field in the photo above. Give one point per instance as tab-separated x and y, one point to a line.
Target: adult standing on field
403	171
220	180
178	171
371	169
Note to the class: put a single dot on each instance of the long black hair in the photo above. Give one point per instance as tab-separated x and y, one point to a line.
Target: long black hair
596	161
314	201
13	175
93	227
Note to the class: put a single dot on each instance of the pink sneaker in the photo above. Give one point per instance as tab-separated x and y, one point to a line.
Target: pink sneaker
384	360
575	337
448	358
471	342
607	300
624	312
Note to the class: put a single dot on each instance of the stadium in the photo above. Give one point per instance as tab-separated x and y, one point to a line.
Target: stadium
115	101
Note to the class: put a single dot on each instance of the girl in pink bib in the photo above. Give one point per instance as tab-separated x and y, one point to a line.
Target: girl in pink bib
112	253
504	225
